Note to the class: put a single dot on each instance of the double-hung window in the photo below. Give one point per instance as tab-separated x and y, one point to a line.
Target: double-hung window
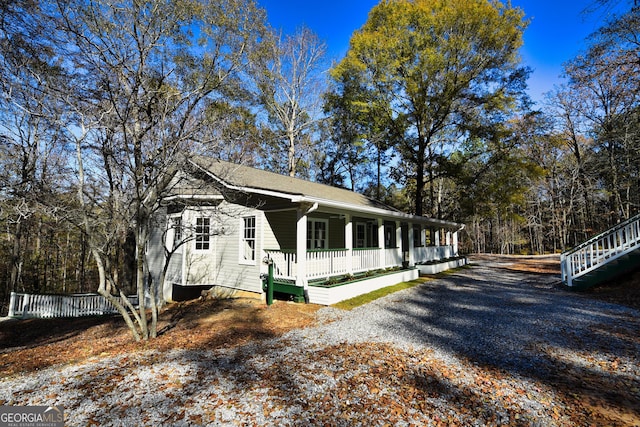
203	233
248	244
366	235
317	234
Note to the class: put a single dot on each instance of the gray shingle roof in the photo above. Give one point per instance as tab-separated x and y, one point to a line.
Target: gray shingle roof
248	177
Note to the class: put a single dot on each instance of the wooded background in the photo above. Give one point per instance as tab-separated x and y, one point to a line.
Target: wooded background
427	112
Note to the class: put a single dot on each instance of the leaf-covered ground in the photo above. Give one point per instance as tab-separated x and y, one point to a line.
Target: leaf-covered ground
213	364
33	344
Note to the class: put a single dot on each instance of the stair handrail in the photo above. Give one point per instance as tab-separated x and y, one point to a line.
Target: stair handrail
598	236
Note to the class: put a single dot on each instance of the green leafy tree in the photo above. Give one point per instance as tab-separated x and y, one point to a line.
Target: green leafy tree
358	130
446	70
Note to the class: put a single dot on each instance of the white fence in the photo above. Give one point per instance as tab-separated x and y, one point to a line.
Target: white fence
47	306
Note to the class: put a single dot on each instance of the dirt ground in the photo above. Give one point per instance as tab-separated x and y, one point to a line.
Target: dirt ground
33	344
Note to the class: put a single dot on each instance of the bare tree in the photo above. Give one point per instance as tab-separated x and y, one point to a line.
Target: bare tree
142	75
290	84
605	80
32	158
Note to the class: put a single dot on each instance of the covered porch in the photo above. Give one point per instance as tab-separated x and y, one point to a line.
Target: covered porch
332	248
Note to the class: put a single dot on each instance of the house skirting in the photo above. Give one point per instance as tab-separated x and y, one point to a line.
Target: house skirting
189	292
331	295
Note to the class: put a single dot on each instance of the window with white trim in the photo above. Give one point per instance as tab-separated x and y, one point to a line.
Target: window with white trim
366	235
248	243
203	233
317	234
418	234
390	235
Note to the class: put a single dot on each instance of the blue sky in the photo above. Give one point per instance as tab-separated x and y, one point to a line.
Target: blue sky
556	33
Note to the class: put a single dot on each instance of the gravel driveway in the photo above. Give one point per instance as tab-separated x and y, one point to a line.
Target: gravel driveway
482	346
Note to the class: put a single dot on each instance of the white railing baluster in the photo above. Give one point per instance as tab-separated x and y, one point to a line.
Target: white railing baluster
600	249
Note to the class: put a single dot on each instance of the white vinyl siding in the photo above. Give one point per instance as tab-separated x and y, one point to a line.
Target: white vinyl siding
220	265
173	237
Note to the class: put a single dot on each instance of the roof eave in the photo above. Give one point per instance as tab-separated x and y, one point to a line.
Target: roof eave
384	213
300	198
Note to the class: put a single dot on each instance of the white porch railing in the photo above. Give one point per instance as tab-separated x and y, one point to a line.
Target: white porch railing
326	263
431	253
335	262
600	250
285	264
48	306
366	259
322	263
392	257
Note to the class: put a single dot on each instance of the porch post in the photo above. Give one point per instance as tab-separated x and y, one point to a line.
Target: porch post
12	305
411	248
382	262
301	249
399	241
348	242
455	243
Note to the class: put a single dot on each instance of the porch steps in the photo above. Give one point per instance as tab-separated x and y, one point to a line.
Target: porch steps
288	291
613	270
604	257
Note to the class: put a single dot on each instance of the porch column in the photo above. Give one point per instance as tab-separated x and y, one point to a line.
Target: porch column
411	248
437	237
399	241
301	249
348	242
382	262
447	238
455	243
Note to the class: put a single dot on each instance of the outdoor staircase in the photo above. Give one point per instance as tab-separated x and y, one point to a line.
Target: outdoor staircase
603	257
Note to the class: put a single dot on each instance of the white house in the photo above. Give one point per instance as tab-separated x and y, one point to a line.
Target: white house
327	244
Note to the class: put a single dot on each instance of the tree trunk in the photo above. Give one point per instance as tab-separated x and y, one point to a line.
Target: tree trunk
16	258
140	285
292	155
103	290
419	180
